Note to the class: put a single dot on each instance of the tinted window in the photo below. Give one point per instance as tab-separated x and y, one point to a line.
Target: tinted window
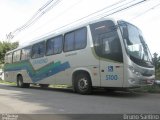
25	53
69	42
38	50
75	40
8	58
54	46
80	38
16	56
106	40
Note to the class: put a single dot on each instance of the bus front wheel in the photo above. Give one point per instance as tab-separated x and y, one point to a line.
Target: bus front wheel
83	83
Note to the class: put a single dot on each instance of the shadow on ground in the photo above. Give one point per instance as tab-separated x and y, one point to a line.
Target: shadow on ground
65	101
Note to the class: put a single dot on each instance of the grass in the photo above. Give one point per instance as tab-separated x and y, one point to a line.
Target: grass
148	89
7	83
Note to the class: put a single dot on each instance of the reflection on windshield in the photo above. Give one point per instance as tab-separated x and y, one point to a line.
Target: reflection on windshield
135	44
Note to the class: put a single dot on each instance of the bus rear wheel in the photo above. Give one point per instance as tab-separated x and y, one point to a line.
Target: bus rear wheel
83	84
20	82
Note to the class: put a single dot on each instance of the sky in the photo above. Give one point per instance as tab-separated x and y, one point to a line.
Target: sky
15	13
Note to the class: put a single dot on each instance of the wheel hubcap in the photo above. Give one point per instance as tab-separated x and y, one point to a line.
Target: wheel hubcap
83	84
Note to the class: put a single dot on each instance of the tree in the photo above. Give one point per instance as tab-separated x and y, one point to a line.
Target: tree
5	47
156	62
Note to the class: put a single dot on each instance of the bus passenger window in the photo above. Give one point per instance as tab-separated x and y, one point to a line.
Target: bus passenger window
8	58
38	50
80	38
69	42
75	40
25	54
16	56
54	46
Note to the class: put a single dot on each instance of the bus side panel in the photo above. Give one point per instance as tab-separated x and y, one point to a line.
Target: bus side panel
8	76
82	59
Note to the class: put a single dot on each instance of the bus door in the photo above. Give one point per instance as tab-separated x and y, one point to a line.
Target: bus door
111	60
108	48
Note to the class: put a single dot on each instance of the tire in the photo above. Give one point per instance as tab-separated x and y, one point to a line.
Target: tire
44	85
20	82
83	84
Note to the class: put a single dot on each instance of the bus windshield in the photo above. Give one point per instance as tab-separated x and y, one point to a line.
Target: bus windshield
136	47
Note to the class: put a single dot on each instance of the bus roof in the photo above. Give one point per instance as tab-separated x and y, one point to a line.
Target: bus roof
68	28
61	30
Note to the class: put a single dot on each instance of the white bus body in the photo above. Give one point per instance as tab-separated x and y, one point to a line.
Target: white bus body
102	53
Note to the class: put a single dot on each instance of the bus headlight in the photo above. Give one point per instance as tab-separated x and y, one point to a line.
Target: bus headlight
132	69
132	81
137	73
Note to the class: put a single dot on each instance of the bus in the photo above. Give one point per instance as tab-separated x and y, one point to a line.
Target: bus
104	53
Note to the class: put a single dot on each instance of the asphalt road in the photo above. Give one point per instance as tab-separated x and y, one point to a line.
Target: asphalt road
61	101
